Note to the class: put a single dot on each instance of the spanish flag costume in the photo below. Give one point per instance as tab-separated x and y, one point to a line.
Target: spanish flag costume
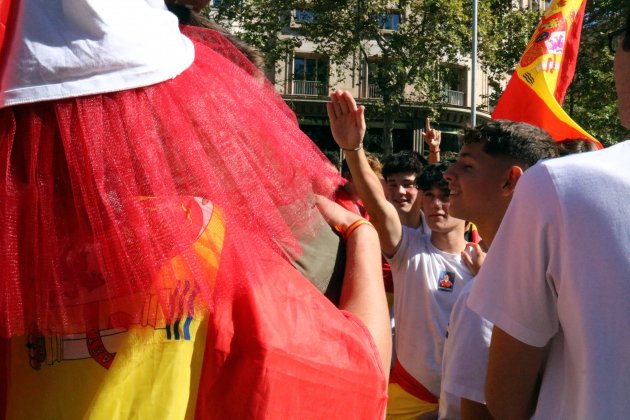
152	186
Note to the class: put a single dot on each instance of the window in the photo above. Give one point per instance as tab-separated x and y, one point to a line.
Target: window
373	91
453	81
389	21
304	16
310	76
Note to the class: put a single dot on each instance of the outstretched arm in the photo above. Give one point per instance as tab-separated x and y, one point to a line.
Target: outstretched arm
363	292
433	139
348	128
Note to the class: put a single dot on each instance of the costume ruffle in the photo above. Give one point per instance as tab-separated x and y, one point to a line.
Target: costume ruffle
102	197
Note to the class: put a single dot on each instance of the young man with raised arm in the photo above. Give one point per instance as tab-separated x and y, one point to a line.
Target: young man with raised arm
428	271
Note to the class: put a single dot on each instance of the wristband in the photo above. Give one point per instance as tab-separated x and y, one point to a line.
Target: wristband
356	149
434	151
347	231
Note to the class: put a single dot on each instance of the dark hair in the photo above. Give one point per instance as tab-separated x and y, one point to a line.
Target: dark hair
520	143
570	146
186	16
406	161
433	176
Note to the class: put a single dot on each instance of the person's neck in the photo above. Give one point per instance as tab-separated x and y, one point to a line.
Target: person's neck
452	242
488	230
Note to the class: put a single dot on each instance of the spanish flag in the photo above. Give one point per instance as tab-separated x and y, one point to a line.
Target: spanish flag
536	90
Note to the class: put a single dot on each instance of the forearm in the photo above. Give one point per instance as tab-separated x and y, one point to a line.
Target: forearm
473	410
513	377
434	155
363	292
370	190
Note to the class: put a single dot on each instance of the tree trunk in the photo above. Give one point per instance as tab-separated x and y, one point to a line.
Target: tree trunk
387	141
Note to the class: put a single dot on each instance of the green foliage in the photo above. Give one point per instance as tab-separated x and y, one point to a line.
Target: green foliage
503	34
260	23
591	99
430	32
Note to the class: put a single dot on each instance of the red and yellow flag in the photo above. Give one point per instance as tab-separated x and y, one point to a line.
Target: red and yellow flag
536	90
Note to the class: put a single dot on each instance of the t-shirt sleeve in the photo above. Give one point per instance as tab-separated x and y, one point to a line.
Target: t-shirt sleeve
466	354
514	288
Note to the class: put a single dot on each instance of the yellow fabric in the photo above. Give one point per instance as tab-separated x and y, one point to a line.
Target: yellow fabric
541	74
401	405
155	371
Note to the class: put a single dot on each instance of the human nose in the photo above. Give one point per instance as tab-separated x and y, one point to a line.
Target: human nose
438	203
448	174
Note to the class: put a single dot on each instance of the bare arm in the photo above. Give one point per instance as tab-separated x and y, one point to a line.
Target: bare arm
363	291
433	139
513	373
473	410
348	127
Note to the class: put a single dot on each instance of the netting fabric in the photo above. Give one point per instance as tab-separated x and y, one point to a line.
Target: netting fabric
102	196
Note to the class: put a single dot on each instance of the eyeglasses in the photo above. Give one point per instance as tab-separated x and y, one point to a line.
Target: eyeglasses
615	40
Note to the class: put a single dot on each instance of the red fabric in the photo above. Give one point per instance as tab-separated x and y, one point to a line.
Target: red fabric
520	103
407	382
524	102
77	176
388	279
569	57
278	350
93	203
8	15
5	7
343	198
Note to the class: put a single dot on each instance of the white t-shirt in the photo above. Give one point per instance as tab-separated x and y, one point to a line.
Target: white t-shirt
68	48
465	357
423	299
558	274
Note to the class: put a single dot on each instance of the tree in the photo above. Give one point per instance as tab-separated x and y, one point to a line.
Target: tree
405	45
504	33
591	99
261	24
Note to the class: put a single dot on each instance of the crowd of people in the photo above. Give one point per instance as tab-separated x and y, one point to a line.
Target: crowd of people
173	246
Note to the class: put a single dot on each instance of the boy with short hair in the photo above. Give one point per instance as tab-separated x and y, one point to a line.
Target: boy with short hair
493	157
428	271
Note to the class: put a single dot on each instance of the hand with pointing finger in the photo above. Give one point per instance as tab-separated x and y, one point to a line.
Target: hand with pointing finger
432	138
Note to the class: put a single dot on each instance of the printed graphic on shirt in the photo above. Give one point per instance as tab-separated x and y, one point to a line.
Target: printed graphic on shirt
446	281
206	227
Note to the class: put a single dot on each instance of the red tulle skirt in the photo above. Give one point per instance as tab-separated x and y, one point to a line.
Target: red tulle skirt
101	197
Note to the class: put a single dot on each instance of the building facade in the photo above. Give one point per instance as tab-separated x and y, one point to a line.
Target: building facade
305	78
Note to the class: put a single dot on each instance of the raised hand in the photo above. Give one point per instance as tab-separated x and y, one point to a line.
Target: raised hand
473	259
431	137
347	122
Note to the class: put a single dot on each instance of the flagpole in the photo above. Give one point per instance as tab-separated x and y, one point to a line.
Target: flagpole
473	88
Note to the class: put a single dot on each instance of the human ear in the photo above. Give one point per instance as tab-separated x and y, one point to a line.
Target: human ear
513	175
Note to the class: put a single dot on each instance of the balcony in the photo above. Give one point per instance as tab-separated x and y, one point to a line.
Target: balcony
310	88
374	91
453	97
